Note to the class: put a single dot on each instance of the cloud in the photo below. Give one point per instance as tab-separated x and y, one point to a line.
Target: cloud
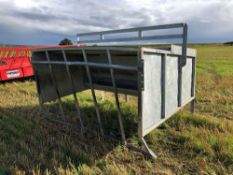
209	21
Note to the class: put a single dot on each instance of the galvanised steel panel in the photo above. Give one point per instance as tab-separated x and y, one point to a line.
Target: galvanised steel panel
154	89
186	81
151	95
171	93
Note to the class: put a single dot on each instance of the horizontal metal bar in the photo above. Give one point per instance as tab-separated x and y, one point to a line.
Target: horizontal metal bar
157	37
110	89
87	48
131	49
158	27
121	67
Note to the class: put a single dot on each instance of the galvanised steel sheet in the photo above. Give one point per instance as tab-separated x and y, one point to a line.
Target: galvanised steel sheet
160	94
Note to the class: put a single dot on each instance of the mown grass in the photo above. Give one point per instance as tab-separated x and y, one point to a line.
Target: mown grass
214	59
200	143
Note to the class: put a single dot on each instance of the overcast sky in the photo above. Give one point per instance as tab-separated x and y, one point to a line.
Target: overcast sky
46	22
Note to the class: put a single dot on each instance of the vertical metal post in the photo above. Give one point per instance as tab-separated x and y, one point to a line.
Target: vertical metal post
182	62
163	85
73	91
101	37
179	81
116	99
126	98
184	45
140	88
55	85
93	92
193	77
140	34
192	106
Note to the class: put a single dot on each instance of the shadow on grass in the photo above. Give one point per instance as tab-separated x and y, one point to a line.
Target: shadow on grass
18	80
28	141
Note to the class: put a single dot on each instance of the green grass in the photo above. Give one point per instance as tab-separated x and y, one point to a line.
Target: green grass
200	143
215	59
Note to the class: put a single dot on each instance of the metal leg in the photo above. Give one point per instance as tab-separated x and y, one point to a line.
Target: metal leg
116	99
192	106
55	85
102	95
93	92
73	90
126	97
149	151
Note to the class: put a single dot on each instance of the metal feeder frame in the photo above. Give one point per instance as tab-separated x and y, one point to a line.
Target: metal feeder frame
108	45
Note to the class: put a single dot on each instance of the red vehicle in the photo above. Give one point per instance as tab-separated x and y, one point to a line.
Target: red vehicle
15	63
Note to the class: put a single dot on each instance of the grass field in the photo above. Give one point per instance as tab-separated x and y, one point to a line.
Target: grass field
200	143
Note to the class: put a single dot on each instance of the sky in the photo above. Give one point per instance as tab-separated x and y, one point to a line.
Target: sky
46	22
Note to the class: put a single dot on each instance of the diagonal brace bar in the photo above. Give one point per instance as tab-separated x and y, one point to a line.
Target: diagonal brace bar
93	92
55	86
73	91
116	98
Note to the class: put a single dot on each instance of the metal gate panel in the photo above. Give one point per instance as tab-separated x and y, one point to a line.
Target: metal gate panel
160	94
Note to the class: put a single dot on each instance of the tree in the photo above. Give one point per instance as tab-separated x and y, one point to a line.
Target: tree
65	41
230	43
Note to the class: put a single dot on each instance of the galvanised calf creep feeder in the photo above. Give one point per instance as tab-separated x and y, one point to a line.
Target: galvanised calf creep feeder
122	61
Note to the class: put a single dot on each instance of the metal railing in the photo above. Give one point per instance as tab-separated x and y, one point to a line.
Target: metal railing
101	36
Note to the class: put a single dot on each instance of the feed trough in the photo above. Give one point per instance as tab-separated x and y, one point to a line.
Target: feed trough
162	78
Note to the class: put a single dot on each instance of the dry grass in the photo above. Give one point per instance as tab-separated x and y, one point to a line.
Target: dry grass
200	143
